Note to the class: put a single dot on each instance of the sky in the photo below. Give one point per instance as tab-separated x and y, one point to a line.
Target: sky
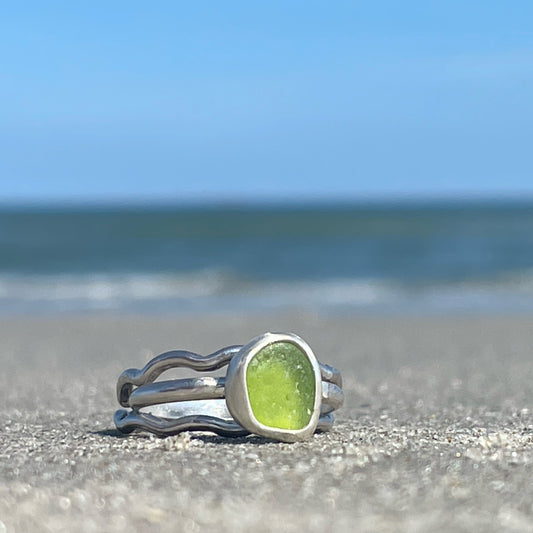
287	100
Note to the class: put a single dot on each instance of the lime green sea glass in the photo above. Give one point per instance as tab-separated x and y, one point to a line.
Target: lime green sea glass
281	386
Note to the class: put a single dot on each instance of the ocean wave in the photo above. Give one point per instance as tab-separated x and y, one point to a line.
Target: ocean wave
100	291
206	291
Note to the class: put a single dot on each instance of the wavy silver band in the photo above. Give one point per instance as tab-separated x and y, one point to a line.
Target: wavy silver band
197	404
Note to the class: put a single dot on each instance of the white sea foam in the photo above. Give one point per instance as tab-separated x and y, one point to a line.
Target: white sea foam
86	292
206	291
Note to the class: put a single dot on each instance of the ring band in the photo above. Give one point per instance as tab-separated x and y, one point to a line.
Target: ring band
274	387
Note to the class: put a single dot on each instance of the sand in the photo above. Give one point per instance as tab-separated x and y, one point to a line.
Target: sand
436	433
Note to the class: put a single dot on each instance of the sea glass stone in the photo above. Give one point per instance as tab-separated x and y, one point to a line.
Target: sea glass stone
281	386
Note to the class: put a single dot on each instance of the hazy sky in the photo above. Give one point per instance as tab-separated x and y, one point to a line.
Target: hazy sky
286	99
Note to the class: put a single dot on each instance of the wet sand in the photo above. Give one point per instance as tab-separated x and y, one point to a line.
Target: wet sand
436	433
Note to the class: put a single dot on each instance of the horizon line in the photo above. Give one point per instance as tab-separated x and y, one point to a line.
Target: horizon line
243	202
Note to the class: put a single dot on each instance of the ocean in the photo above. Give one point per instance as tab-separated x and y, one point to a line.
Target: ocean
364	258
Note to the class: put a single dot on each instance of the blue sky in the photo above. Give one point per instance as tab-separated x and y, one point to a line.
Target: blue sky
277	100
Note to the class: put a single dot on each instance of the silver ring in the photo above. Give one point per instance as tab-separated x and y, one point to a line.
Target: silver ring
274	387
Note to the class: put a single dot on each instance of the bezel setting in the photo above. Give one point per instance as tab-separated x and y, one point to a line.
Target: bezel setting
237	399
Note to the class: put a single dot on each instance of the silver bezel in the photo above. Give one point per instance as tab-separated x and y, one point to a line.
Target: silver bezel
236	391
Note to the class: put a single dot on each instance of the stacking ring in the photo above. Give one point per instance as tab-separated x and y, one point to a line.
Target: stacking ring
274	387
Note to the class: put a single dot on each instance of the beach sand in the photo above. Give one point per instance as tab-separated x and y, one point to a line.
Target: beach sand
436	433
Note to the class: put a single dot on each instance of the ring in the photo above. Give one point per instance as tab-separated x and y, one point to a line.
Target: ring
274	387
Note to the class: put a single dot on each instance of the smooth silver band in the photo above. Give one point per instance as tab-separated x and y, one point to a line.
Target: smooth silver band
194	403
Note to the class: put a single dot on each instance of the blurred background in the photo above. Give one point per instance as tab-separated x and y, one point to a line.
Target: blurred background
344	157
